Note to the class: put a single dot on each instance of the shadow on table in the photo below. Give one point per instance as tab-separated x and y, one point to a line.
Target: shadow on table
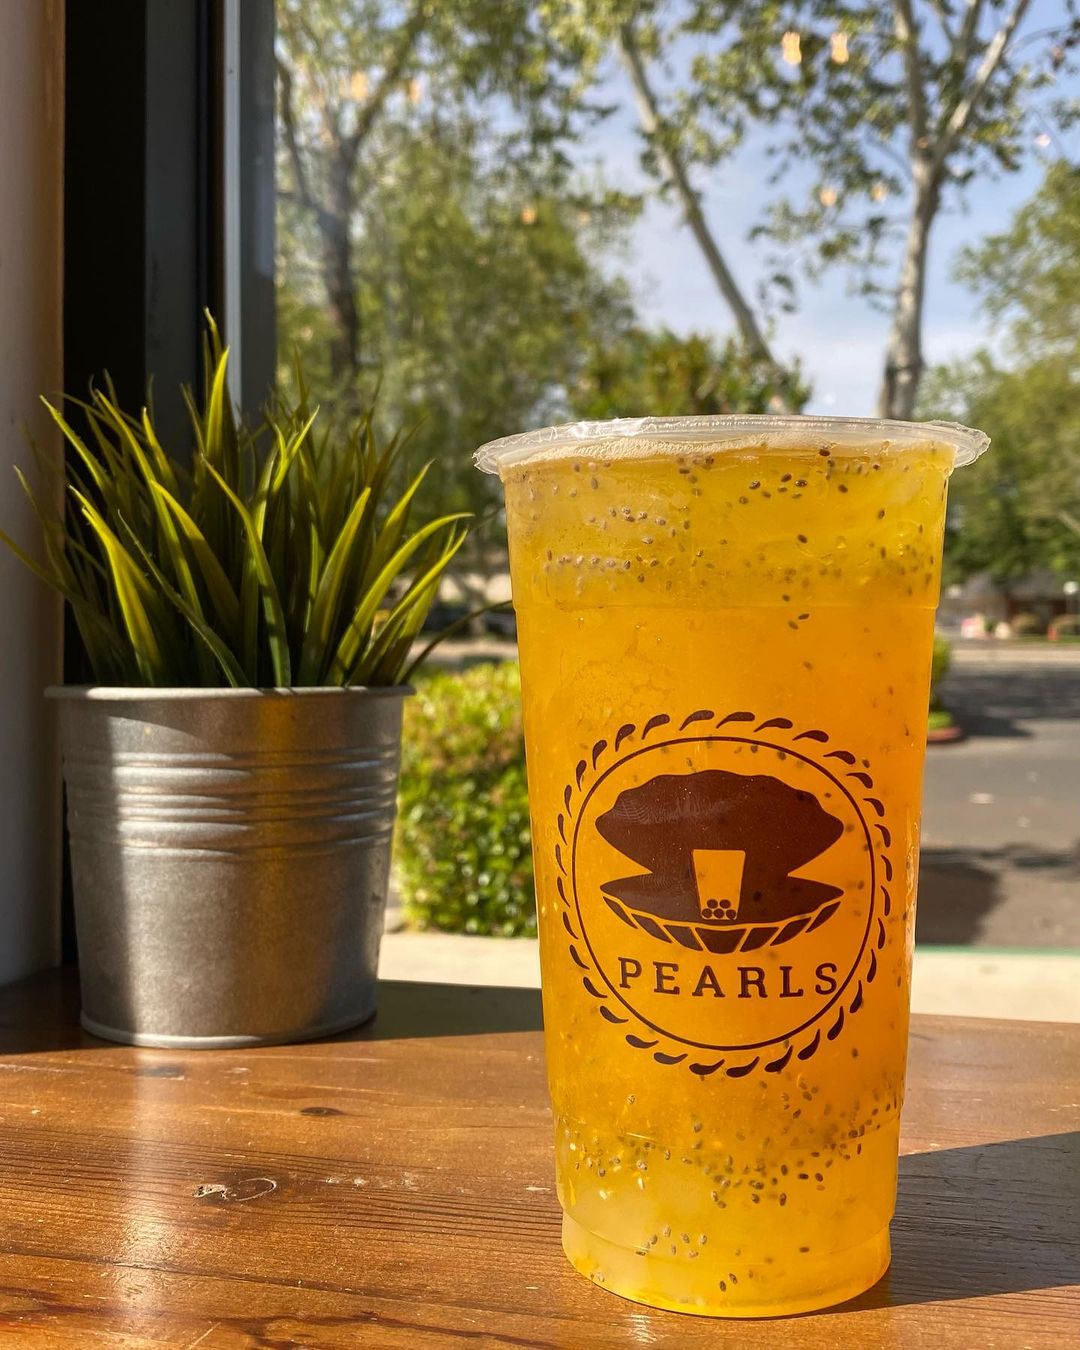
414	1008
960	887
41	1014
981	1220
957	891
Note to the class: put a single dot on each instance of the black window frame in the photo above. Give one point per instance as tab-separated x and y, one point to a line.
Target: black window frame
167	102
168	211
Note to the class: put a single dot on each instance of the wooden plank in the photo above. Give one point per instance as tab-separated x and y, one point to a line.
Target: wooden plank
393	1189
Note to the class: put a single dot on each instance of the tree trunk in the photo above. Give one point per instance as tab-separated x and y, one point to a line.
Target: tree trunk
341	294
338	276
333	215
903	352
660	139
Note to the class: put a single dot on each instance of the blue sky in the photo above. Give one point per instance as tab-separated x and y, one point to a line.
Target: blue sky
839	338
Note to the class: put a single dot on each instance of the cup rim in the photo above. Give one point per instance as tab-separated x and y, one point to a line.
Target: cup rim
745	431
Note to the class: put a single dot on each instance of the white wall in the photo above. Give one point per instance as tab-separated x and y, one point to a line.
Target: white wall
31	217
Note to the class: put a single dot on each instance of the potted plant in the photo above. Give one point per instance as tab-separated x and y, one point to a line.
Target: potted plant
248	616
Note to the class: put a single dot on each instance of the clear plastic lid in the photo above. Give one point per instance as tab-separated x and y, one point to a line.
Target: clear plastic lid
638	437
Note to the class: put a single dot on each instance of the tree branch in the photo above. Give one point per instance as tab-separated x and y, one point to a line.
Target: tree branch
943	19
1069	520
965	39
288	126
891	153
993	55
660	139
907	33
304	194
408	37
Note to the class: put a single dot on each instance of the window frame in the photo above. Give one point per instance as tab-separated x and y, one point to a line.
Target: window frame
168	211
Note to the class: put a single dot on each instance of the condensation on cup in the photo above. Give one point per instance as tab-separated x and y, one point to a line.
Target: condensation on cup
725	631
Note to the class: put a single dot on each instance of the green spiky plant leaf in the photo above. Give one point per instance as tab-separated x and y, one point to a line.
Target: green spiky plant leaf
277	557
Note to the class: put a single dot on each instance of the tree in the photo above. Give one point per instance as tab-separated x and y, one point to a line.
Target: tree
908	102
329	109
1028	276
1018	508
643	34
478	304
354	76
897	105
660	374
1010	513
434	239
481	304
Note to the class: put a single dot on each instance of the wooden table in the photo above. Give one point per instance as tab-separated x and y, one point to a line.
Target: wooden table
393	1188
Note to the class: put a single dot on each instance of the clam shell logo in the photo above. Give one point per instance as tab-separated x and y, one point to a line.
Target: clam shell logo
726	887
720	851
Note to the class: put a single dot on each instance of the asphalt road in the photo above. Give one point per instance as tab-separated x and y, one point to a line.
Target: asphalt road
1001	823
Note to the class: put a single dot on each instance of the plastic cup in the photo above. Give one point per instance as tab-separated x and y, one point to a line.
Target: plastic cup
725	631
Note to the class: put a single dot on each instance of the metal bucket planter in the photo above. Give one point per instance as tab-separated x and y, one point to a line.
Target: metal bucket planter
230	855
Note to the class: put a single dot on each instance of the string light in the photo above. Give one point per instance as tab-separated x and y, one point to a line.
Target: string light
528	215
828	196
1042	140
838	48
359	85
791	48
879	192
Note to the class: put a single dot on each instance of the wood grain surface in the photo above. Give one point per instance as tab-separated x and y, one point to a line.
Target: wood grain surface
393	1188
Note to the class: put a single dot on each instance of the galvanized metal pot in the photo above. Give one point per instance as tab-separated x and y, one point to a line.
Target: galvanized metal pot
230	853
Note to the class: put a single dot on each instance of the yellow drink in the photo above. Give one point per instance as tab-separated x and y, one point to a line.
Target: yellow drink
725	648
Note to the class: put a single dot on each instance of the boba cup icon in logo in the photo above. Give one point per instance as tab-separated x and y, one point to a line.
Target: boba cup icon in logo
721	874
726	887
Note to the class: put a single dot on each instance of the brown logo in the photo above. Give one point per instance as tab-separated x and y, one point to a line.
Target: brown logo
726	886
720	849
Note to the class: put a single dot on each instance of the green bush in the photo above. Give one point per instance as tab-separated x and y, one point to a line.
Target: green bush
463	861
1028	625
939	719
1067	626
939	668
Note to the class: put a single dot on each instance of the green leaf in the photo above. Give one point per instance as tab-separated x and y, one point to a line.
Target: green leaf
391	645
217	583
132	592
288	452
276	633
327	604
170	545
456	627
93	466
166	473
51	578
352	640
216	647
394	525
